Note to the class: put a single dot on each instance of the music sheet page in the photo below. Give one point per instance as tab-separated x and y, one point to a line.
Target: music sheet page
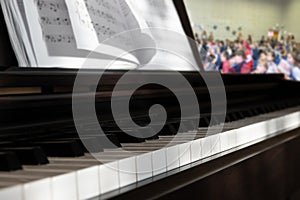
107	22
54	38
144	42
162	14
82	25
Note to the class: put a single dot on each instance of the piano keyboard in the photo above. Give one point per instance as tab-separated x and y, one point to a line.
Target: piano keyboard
84	177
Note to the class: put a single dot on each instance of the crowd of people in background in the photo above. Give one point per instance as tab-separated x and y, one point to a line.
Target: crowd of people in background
267	56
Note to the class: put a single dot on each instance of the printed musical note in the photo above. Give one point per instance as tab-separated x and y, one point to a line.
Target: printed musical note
55	21
101	13
54	6
59	38
99	20
57	32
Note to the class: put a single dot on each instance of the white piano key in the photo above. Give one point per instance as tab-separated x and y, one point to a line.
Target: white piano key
159	162
272	127
38	190
289	122
206	147
251	132
224	139
233	138
172	154
12	192
258	130
88	182
215	144
64	187
281	124
292	119
228	140
242	136
109	177
127	171
31	180
184	154
196	154
144	166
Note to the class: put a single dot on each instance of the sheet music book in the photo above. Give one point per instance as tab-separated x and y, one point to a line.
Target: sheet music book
63	33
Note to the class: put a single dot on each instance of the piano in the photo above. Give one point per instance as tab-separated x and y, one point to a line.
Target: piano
254	154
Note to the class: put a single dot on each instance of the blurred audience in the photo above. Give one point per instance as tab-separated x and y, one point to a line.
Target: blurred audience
240	64
267	56
271	65
226	66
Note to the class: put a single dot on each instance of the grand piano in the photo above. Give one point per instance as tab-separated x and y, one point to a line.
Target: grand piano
255	155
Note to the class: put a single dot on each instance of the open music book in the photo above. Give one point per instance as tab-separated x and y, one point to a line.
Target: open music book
63	33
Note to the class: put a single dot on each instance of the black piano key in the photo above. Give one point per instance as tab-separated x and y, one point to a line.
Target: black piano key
9	162
277	107
93	144
250	113
61	148
203	122
29	155
227	119
214	120
118	137
169	129
233	116
107	141
124	138
241	116
207	120
155	137
114	139
186	125
144	133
